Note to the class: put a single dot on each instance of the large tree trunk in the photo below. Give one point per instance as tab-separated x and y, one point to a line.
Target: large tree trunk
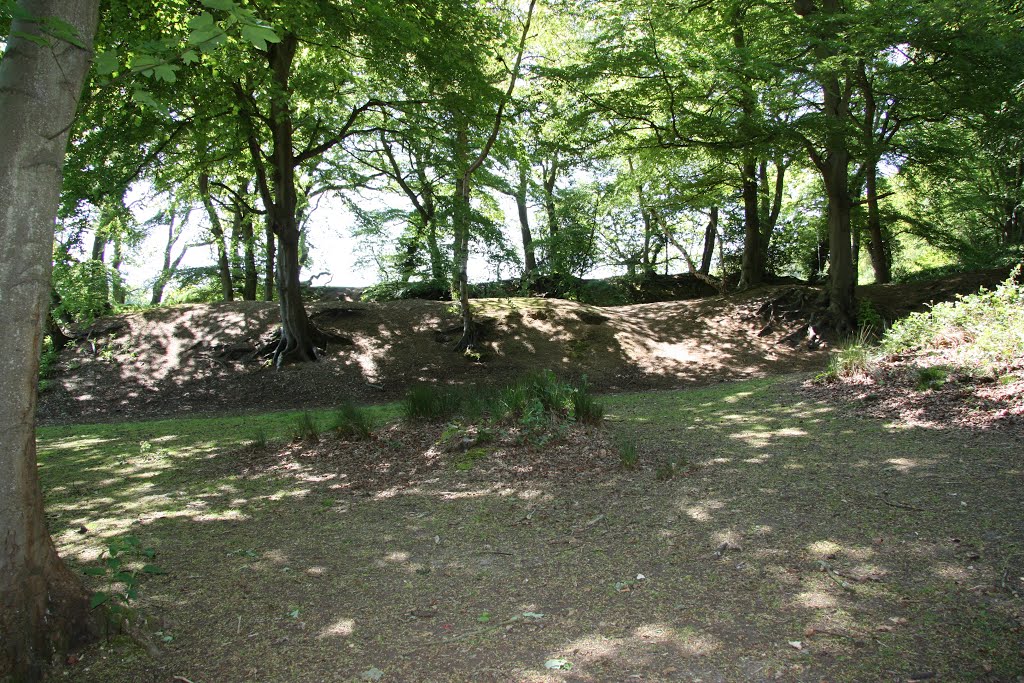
118	291
751	265
296	344
249	274
461	219
43	606
834	168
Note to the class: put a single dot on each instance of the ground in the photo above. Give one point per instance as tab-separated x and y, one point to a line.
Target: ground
772	529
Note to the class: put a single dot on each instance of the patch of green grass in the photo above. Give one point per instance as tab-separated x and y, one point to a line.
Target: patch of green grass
426	402
305	428
466	461
930	378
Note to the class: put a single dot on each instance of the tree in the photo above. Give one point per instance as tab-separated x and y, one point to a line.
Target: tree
43	606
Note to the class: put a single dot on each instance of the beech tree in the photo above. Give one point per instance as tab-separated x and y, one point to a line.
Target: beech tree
43	606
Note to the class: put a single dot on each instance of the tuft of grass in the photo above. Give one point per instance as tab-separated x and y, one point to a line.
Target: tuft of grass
351	422
259	439
628	455
425	402
670	468
305	428
585	407
857	356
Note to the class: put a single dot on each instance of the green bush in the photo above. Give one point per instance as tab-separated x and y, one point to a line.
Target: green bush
983	329
396	289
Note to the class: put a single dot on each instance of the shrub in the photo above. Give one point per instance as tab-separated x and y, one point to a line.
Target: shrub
585	407
931	378
353	423
983	329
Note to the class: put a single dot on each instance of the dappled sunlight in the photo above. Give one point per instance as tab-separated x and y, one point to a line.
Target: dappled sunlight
902	464
342	628
816	599
702	512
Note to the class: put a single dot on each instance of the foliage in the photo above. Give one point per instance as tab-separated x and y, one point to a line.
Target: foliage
123	562
426	402
984	330
628	455
415	289
930	378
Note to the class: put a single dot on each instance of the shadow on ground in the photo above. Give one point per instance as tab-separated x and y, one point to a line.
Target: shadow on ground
793	541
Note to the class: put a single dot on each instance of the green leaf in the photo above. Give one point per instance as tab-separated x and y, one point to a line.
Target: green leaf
38	40
113	563
152	569
132	593
223	5
190	57
94	571
203	22
259	36
484	617
165	72
98	598
124	577
107	62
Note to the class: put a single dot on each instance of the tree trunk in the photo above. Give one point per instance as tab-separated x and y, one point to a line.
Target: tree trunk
834	168
529	253
709	242
296	344
117	283
751	265
250	276
270	256
550	178
44	608
217	230
461	218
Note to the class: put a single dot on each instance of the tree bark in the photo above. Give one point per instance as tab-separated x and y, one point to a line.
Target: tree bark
834	168
248	238
296	343
44	608
709	242
217	230
751	265
529	253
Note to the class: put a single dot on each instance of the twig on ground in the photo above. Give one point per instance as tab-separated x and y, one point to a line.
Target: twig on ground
901	506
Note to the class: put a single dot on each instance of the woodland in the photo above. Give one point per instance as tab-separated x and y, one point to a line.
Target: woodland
707	191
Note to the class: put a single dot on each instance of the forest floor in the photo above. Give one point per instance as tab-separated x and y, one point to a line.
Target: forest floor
191	359
773	530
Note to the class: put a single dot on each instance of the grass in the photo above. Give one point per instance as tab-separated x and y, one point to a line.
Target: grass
921	524
534	401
